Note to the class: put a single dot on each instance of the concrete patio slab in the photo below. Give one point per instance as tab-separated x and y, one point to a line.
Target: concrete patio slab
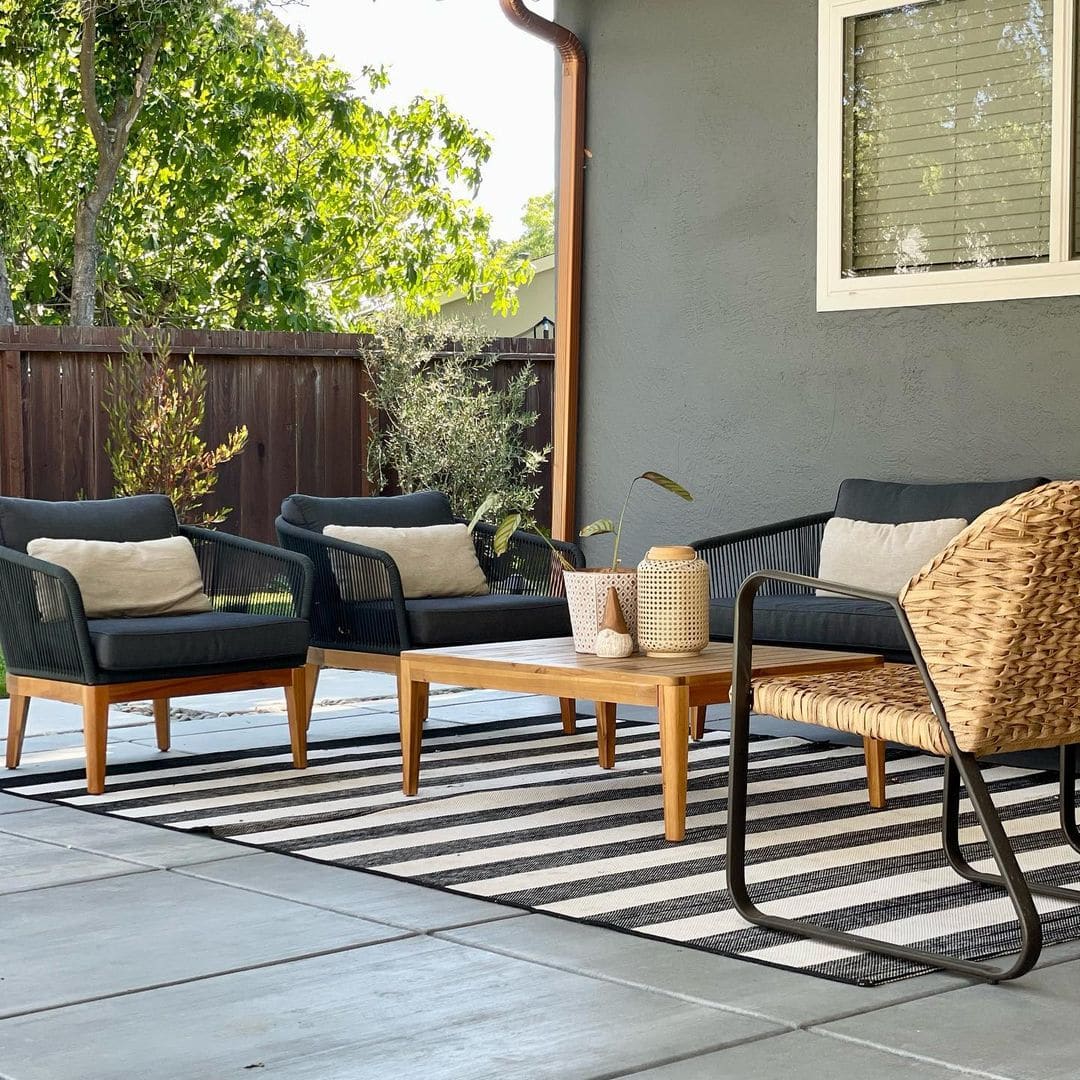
28	864
1024	1030
411	1008
799	1055
483	710
781	996
133	841
151	929
397	903
11	804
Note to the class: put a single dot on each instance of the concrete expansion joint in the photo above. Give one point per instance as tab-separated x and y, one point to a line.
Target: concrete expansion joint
923	1059
633	984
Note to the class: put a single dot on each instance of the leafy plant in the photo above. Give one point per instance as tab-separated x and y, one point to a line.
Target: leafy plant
155	408
441	423
602	526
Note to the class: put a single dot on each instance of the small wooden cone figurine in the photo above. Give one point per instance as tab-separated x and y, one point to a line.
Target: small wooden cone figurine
613	639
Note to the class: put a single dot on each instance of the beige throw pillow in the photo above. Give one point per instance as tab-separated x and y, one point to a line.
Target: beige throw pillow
883	558
150	577
437	560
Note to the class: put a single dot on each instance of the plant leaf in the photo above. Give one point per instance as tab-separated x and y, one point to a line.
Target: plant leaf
598	528
507	527
668	485
482	509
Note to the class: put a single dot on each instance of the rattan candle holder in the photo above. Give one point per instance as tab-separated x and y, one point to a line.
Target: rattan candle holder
673	602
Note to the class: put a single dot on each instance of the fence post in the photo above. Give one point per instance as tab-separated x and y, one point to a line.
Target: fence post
12	434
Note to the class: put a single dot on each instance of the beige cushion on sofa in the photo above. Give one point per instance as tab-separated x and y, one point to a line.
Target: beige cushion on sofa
435	560
150	577
883	558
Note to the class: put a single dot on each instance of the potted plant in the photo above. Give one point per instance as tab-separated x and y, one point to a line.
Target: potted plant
586	590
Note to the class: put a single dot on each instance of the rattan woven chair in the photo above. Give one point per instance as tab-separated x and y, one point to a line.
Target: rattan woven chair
994	627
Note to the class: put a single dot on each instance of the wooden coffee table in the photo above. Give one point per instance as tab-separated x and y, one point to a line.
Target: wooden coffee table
550	666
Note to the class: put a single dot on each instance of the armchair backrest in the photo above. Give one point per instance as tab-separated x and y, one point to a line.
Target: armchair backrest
382	511
997	619
894	504
137	517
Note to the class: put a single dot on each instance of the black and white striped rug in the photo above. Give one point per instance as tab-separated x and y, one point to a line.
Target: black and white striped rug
519	813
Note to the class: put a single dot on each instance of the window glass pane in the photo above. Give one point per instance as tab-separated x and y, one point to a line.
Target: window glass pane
947	136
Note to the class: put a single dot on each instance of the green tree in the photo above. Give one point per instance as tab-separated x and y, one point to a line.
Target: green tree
259	188
443	424
537	237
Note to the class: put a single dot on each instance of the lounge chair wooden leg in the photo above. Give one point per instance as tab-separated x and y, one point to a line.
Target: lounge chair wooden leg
95	701
568	709
605	734
296	702
697	721
311	676
161	722
19	706
874	751
412	706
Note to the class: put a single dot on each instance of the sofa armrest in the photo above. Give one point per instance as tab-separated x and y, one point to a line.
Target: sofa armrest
342	570
242	575
792	546
43	628
529	566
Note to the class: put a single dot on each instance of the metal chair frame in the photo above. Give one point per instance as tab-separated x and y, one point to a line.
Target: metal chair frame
960	765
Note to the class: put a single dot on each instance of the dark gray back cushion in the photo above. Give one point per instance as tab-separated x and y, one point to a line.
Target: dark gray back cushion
138	517
893	504
383	511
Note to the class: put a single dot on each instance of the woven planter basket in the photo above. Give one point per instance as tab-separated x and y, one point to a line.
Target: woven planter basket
586	593
673	602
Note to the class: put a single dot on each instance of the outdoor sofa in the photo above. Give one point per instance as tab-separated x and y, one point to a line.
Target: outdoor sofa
787	613
130	605
361	617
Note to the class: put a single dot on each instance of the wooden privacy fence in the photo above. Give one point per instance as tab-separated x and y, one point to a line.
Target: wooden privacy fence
300	395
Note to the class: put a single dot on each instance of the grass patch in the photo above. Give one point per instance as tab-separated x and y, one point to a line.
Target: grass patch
3	678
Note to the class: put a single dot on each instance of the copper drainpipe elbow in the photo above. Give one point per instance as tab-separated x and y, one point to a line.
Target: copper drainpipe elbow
571	202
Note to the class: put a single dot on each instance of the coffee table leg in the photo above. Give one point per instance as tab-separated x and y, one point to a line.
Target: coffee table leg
412	711
568	710
674	707
605	734
697	722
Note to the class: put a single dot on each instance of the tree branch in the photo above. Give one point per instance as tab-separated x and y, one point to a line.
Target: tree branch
88	75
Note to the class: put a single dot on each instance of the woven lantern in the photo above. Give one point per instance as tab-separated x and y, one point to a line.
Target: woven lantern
673	602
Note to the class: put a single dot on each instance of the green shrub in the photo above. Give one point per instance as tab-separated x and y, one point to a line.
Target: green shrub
156	407
440	423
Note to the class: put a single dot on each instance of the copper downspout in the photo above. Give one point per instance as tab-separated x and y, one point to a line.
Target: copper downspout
571	189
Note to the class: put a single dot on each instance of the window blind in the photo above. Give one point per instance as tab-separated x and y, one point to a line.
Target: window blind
947	136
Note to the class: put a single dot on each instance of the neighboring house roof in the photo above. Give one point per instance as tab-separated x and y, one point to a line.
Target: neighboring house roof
536	302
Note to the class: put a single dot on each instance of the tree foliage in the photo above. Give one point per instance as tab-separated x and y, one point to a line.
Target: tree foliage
155	408
537	237
444	425
259	189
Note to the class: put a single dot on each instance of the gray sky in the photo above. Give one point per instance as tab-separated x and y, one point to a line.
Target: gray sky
501	79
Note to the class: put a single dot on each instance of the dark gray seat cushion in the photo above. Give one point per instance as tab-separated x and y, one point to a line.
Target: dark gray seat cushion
471	620
171	642
384	511
816	621
138	517
894	504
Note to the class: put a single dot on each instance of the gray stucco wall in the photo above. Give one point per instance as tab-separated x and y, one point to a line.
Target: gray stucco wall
703	355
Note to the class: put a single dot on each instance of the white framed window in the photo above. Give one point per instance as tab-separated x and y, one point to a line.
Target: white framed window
945	152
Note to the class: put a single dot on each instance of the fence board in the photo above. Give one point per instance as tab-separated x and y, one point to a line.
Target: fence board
302	397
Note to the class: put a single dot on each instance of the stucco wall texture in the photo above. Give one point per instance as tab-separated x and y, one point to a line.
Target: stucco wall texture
703	355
